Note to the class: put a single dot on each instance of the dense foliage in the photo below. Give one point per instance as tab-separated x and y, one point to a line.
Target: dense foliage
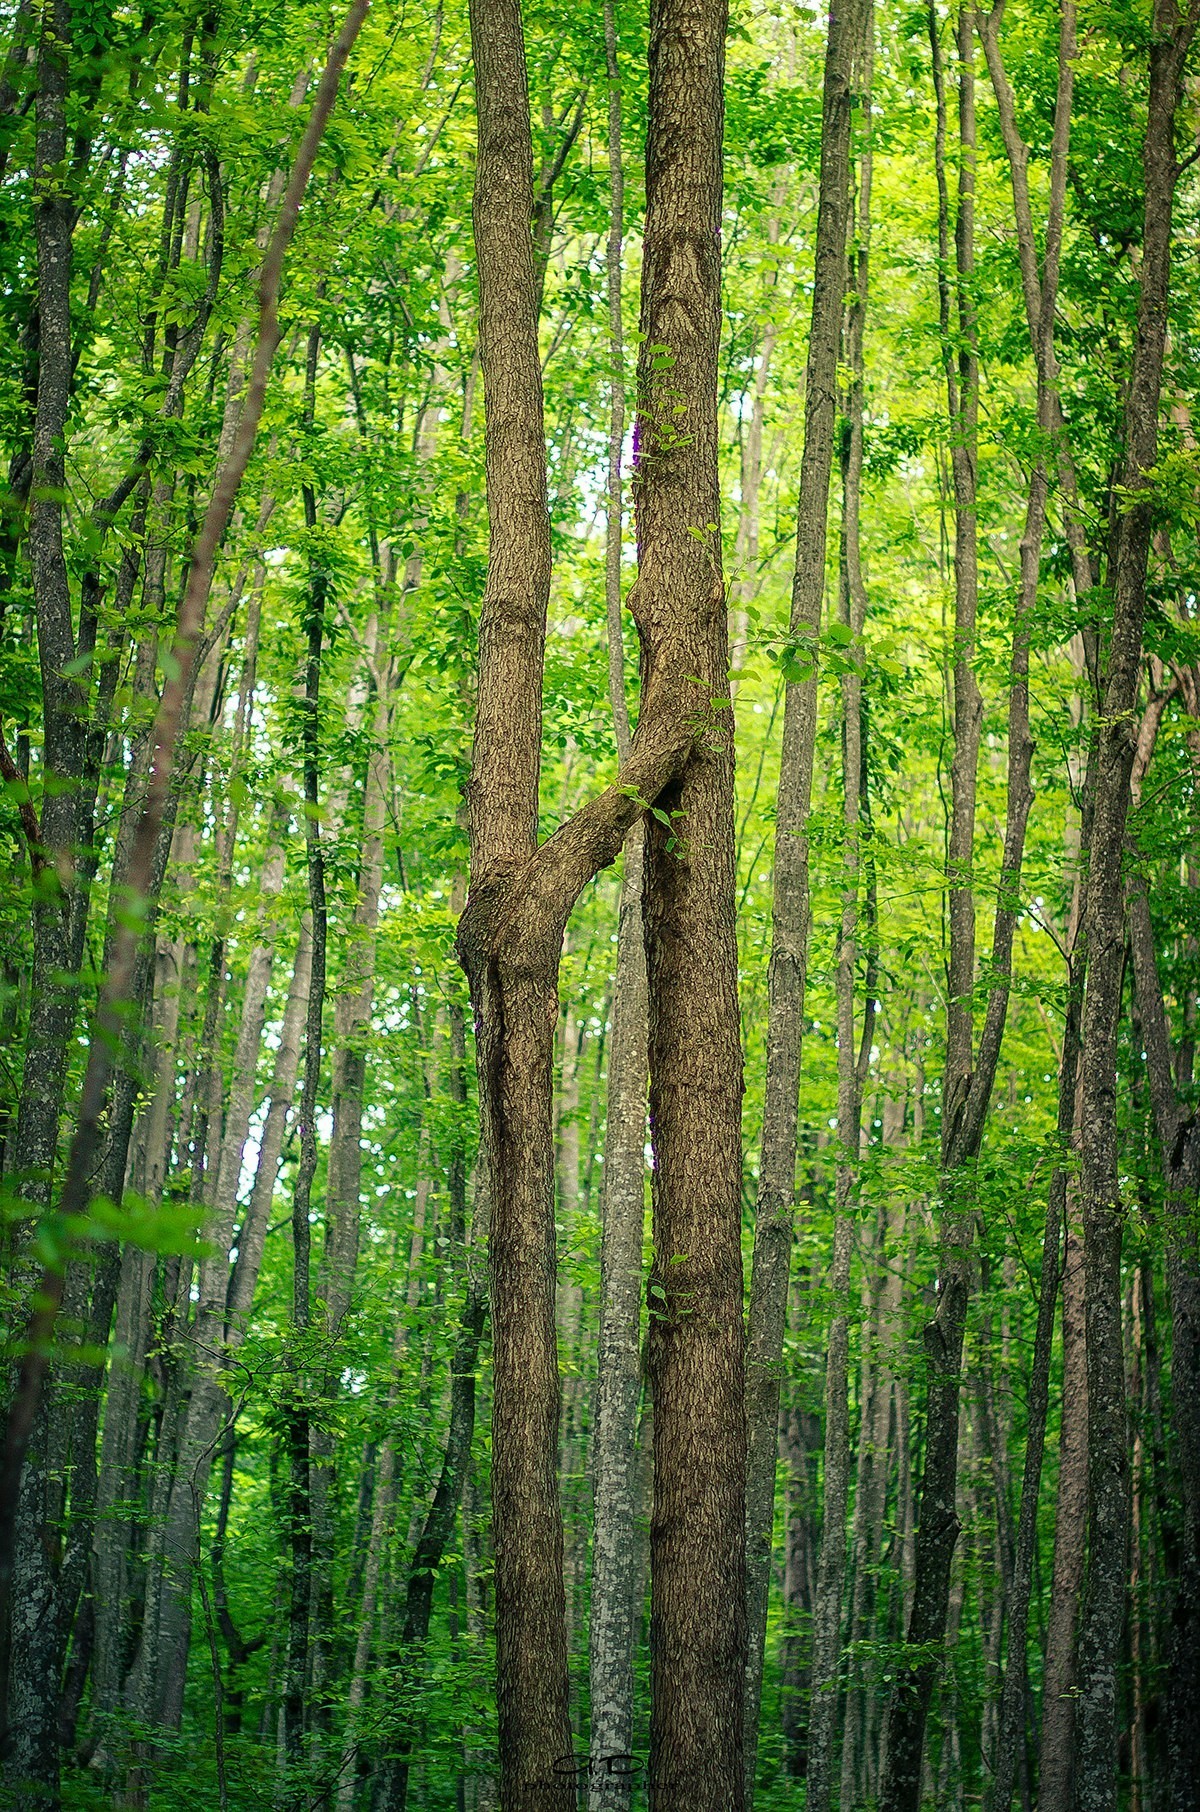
364	512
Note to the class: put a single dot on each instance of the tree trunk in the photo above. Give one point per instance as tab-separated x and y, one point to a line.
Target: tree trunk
615	1611
510	935
938	1527
514	1024
299	1514
252	1233
1056	1771
790	909
1041	299
852	1060
437	1532
1179	1143
30	1654
382	1509
698	1637
343	1182
1096	1781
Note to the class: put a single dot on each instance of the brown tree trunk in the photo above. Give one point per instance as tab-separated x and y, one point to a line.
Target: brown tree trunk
1179	1143
510	935
299	1501
698	1644
29	1653
1056	1772
514	1023
1096	1783
852	1058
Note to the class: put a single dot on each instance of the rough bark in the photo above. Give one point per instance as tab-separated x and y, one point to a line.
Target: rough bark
1179	1143
696	1343
521	895
514	1025
1096	1782
53	993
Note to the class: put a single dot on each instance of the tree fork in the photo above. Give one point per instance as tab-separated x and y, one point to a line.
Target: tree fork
521	895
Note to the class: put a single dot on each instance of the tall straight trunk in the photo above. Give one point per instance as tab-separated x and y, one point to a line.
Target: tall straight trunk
299	1502
343	1184
1179	1143
351	1024
252	1233
571	1329
790	908
113	1531
53	992
798	1444
1056	1769
29	1654
969	1074
163	1658
1141	1393
1096	1782
615	1614
938	1527
748	582
873	1461
696	1343
111	1565
67	1422
824	1695
870	1497
1041	291
1014	1698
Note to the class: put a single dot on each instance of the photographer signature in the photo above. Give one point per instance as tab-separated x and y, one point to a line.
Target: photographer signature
591	1768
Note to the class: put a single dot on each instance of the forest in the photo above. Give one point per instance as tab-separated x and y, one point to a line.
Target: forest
600	921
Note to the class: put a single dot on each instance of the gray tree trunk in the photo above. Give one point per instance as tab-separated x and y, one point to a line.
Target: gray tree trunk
616	1606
